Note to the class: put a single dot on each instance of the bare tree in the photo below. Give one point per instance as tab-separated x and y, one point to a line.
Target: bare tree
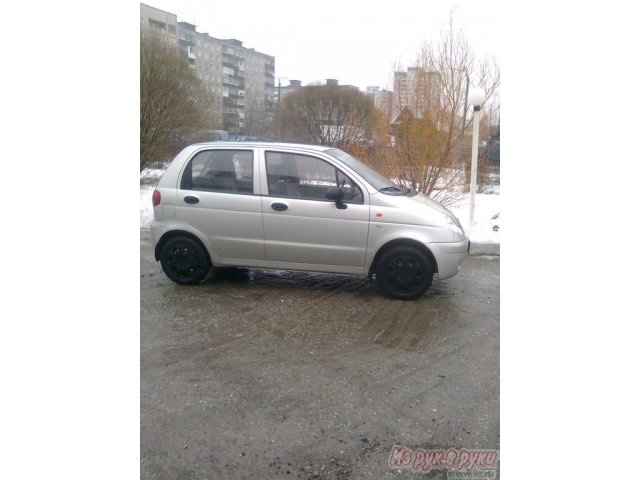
256	117
328	115
173	101
431	136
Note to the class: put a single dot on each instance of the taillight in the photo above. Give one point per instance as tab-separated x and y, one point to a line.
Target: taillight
156	198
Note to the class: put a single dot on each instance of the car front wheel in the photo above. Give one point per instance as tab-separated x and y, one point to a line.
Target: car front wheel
184	260
404	273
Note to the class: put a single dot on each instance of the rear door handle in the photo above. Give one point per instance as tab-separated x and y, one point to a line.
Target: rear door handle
191	199
279	207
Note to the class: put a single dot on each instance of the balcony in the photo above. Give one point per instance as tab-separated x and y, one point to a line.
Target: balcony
230	81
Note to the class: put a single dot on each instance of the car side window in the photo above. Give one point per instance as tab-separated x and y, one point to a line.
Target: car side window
309	178
229	171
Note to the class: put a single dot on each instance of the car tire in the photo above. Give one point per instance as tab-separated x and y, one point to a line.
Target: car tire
404	273
184	260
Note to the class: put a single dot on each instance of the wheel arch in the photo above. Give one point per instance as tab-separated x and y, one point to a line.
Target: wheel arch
179	233
405	242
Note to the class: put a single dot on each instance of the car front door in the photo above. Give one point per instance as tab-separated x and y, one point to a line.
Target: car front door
216	197
302	227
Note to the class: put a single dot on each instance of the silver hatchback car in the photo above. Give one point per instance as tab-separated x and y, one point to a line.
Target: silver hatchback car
299	207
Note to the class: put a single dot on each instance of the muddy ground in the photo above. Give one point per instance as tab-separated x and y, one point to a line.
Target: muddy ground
300	375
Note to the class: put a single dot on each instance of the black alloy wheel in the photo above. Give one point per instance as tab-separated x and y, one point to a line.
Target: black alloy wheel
184	260
404	273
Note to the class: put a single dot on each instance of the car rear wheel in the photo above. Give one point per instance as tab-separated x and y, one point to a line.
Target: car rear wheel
404	273
184	260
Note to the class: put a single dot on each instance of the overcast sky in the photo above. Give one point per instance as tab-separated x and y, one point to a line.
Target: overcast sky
356	42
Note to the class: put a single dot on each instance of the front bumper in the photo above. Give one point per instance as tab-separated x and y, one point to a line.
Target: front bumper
449	256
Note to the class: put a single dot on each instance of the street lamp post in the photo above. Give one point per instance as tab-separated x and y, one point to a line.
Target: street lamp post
466	103
476	98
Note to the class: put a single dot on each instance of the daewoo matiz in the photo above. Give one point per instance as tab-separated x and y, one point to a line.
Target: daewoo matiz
299	207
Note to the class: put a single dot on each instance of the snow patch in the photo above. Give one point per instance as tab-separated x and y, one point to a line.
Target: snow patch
151	175
146	207
486	207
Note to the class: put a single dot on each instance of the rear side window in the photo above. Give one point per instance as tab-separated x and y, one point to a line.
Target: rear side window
309	178
229	171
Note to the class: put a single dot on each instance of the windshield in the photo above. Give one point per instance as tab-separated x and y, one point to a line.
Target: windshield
377	181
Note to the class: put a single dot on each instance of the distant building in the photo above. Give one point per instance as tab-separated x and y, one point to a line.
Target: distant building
284	90
260	96
164	21
382	99
334	82
295	85
241	78
417	89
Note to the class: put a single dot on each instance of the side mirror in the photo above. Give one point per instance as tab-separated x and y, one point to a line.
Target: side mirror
337	195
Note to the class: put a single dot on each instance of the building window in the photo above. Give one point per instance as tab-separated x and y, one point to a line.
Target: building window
155	23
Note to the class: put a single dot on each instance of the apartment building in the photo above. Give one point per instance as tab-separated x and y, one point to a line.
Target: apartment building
241	78
382	99
260	91
165	22
416	89
295	85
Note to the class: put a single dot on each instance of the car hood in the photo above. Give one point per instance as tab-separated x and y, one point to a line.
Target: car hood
420	197
415	209
425	200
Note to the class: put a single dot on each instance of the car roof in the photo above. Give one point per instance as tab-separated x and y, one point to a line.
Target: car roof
317	148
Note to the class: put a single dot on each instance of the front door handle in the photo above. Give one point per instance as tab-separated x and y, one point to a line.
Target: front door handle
191	199
279	207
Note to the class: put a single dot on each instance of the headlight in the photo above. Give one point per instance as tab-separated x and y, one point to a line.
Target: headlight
454	224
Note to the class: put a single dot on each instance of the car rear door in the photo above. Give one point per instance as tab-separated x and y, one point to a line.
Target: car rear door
217	196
